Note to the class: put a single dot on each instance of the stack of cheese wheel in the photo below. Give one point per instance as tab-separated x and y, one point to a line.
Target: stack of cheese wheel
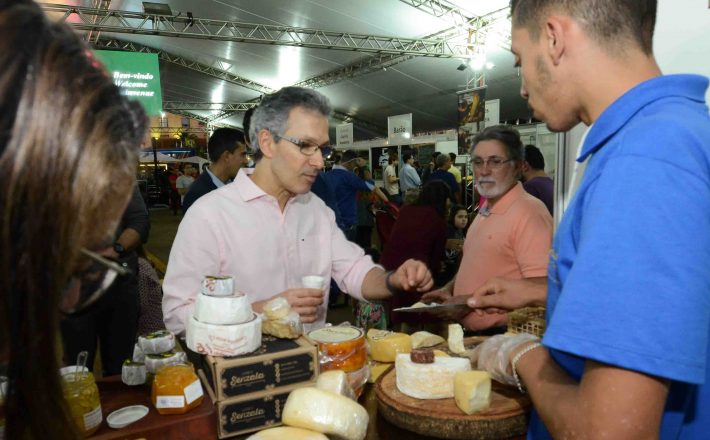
223	323
154	350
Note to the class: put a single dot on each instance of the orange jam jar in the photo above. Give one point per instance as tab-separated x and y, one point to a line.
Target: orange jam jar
176	389
82	397
340	348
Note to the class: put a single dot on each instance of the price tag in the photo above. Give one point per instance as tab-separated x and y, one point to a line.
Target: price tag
170	402
193	391
92	418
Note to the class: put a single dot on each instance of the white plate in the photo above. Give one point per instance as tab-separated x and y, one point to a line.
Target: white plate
125	416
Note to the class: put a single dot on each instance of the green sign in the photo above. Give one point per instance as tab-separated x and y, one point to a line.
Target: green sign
138	76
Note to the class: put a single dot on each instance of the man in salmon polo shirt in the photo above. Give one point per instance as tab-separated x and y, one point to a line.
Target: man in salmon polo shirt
267	230
512	233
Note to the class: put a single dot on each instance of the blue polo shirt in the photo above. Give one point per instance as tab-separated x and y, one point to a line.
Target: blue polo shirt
629	275
345	185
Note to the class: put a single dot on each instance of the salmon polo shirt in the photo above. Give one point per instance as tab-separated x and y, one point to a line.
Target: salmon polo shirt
512	241
240	231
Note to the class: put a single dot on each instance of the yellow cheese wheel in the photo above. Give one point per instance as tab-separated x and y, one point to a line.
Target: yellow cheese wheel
385	346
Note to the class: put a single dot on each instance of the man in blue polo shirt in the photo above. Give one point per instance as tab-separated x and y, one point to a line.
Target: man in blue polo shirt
346	184
625	354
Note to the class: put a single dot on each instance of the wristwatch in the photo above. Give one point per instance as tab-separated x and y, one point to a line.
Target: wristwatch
118	248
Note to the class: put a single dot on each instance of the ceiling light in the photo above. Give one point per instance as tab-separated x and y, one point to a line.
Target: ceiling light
477	62
490	65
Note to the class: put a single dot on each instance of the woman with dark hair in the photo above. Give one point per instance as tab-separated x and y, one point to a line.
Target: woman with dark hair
420	233
68	151
456	233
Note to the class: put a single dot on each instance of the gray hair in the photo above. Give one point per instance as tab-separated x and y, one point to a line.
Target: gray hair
441	160
272	113
506	135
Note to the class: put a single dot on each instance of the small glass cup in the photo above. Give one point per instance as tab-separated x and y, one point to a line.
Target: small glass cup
316	282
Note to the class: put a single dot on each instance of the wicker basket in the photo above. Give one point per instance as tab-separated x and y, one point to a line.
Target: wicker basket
527	320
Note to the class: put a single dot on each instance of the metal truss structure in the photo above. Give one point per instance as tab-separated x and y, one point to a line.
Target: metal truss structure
170	106
95	19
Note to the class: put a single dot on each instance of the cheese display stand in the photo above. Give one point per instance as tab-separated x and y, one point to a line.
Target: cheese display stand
506	417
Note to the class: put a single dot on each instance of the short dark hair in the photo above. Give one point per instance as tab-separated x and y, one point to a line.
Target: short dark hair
348	155
246	123
435	193
453	157
223	139
607	21
504	134
534	157
406	156
455	208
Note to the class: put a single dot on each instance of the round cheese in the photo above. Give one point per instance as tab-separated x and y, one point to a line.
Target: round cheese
384	345
325	412
223	310
335	381
224	340
217	286
428	381
287	433
156	342
155	361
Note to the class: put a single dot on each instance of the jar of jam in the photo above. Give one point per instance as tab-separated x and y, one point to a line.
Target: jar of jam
82	396
176	389
340	348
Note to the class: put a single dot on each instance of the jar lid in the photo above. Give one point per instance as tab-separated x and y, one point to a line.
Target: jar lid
336	334
126	415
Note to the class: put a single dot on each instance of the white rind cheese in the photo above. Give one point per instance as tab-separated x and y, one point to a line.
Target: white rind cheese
335	381
224	340
425	339
428	381
325	412
456	339
472	391
156	342
223	310
277	308
287	433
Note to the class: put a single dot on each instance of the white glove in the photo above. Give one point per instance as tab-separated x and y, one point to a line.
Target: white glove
494	355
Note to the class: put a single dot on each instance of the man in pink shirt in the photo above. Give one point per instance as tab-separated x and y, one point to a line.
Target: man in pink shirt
512	233
267	230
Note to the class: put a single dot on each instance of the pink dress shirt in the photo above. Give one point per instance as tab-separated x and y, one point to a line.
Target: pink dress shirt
240	231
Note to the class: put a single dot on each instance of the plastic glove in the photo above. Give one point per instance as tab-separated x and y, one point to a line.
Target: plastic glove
495	353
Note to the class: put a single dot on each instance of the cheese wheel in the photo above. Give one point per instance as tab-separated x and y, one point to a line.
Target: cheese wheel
428	381
425	339
156	342
335	381
325	412
133	373
287	433
223	310
217	286
456	339
138	355
155	361
224	340
472	391
385	345
277	308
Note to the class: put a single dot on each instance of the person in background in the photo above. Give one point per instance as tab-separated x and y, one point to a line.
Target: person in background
625	352
454	170
174	195
113	322
183	182
511	235
63	115
429	168
391	181
296	230
455	234
535	181
443	164
228	153
365	204
408	177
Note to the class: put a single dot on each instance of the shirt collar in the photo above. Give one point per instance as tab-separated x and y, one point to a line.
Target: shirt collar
614	117
502	205
248	190
339	167
218	183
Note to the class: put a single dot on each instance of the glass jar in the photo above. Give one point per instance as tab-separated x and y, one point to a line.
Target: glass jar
82	396
176	389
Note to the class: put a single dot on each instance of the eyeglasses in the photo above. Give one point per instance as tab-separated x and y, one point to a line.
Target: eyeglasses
87	286
307	148
493	162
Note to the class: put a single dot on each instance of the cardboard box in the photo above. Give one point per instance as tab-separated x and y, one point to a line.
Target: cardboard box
253	412
276	364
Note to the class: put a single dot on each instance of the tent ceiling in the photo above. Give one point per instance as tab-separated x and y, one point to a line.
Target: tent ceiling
424	86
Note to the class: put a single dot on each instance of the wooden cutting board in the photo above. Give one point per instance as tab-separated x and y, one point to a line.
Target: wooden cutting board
506	417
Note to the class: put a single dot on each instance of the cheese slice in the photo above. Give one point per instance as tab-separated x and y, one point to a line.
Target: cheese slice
385	345
376	370
456	339
425	339
287	433
428	381
287	327
472	391
325	412
438	353
335	381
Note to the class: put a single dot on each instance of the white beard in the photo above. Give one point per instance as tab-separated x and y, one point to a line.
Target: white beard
495	191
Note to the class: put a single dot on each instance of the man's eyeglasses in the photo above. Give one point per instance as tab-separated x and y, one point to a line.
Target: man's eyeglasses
493	162
307	148
87	286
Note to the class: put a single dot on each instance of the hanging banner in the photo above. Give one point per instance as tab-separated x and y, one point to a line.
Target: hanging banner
471	112
344	135
137	75
399	129
492	113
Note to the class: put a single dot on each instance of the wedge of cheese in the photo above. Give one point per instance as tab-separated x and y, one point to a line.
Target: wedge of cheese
438	353
472	391
287	433
428	381
385	345
326	412
335	381
456	339
425	339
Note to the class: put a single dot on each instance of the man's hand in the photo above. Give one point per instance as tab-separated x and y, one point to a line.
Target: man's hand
500	294
305	302
412	275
